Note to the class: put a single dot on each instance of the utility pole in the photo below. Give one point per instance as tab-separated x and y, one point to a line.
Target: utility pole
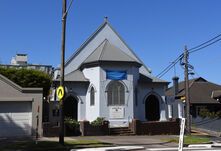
64	15
187	96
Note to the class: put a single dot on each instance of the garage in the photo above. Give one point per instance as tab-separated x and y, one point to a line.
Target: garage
20	110
15	118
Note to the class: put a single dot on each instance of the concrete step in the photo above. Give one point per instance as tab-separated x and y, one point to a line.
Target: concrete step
121	131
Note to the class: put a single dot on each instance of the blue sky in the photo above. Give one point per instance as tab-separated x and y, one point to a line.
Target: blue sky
156	30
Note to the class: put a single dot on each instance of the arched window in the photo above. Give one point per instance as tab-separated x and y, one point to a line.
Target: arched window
116	93
92	96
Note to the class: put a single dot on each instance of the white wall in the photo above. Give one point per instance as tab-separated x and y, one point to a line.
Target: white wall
79	90
129	83
93	74
176	107
144	90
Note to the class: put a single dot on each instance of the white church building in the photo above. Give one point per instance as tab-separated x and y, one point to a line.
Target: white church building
105	78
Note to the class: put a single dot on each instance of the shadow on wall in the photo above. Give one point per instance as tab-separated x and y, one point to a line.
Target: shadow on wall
207	123
14	127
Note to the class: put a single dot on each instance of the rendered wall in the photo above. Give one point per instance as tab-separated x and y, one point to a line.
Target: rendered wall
11	92
79	91
93	75
129	84
146	89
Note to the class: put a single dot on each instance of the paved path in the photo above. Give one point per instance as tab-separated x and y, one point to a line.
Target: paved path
145	141
148	142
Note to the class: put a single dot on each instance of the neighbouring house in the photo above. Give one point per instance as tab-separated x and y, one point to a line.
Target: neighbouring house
204	96
105	78
20	61
216	95
20	110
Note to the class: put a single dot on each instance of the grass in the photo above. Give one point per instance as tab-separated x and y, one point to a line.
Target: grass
50	145
190	140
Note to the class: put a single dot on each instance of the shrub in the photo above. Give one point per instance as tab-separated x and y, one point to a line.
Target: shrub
98	122
71	123
206	113
28	78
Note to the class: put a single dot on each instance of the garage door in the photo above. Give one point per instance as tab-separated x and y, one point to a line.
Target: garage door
15	119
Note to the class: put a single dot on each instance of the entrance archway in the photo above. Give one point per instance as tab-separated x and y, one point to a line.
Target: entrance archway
152	108
71	107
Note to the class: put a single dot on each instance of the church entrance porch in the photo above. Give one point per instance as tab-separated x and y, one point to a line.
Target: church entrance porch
152	108
71	107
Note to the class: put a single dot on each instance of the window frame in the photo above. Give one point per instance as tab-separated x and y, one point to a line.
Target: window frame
115	89
92	96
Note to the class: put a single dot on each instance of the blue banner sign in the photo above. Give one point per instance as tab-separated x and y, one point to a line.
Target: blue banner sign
116	75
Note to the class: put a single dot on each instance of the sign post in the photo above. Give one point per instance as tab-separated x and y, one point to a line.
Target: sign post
182	126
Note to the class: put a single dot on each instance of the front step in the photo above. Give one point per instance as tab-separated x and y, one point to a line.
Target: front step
123	131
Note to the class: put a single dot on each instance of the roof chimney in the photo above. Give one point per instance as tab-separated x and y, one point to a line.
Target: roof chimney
175	85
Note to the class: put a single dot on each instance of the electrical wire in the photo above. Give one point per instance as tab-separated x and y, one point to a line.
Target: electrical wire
69	6
194	50
205	42
169	66
66	13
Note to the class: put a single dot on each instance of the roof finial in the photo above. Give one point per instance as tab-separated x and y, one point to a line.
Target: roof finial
105	19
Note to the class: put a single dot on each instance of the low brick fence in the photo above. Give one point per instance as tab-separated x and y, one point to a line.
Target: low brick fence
155	128
90	130
137	127
50	130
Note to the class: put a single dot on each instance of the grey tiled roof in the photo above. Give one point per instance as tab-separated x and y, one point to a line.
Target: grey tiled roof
94	35
75	76
149	78
200	91
108	52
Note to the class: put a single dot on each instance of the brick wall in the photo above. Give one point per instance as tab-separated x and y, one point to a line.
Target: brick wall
155	127
50	130
89	130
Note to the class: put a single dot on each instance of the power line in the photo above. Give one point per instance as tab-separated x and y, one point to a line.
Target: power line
162	73
194	50
66	12
69	6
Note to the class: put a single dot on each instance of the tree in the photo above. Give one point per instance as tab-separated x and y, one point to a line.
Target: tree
28	78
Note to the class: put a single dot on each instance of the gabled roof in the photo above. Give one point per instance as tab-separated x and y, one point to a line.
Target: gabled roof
85	43
96	42
108	52
200	91
19	88
102	26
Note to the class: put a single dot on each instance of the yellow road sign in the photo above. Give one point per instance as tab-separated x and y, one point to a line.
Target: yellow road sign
183	98
60	92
